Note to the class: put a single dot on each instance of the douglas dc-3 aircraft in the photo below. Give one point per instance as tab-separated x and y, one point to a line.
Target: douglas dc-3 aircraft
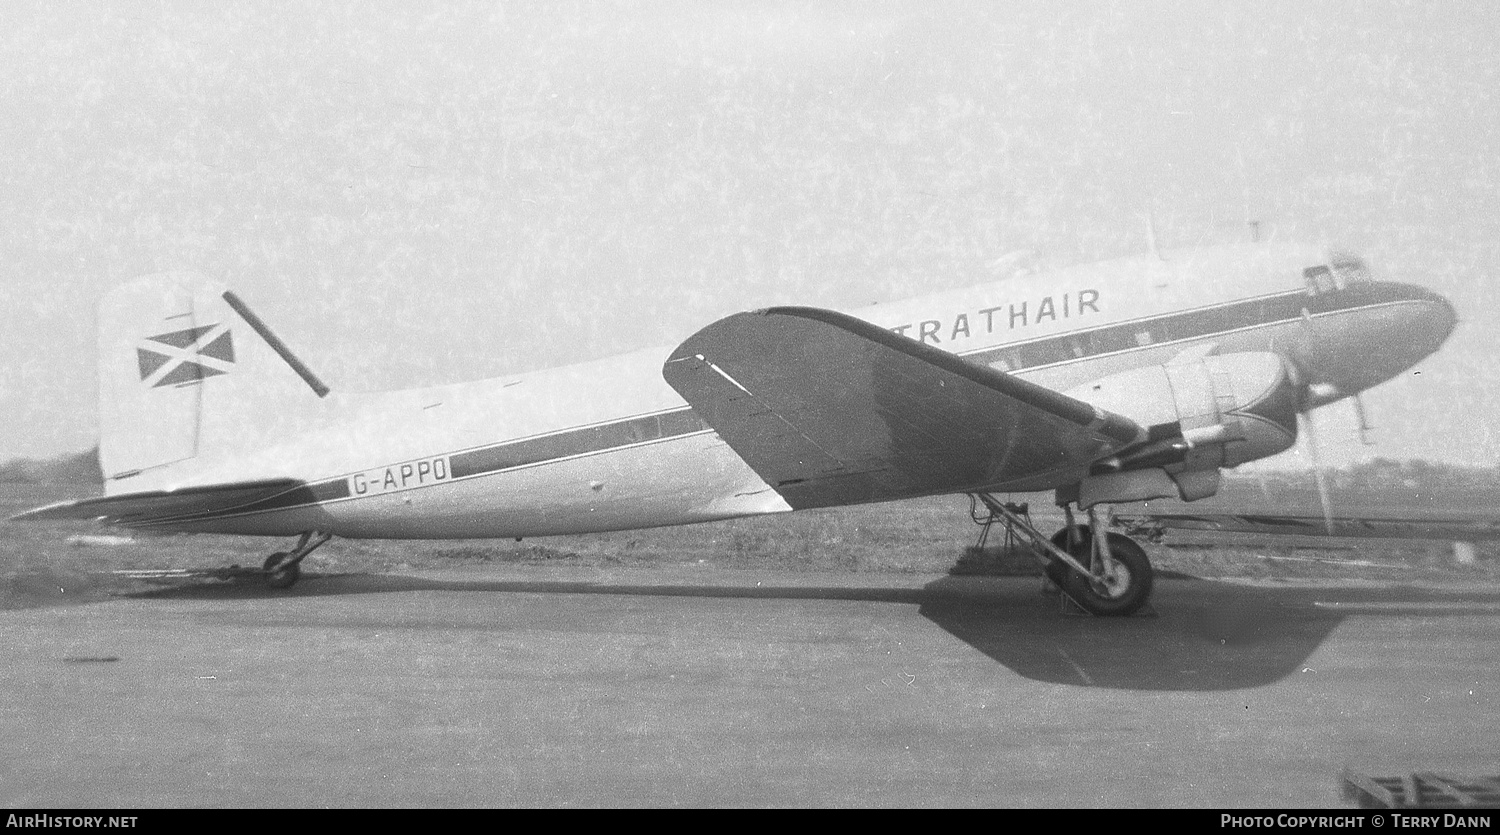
1121	381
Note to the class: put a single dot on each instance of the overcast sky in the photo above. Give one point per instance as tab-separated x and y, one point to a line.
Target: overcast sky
417	193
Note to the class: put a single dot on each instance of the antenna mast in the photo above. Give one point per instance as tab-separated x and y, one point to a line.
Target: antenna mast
1151	234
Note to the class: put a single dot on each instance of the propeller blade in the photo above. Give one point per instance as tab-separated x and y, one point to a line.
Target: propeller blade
1294	373
1364	421
1305	418
1300	378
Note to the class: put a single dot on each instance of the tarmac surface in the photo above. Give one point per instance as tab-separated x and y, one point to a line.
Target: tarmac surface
542	686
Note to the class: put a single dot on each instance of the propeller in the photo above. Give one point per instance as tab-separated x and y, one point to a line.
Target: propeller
1305	427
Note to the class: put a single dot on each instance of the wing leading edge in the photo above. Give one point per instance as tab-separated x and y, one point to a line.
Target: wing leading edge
830	410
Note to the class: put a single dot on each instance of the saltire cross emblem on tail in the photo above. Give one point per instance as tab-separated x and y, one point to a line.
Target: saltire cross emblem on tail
185	356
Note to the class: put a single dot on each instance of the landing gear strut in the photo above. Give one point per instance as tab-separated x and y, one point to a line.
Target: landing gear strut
1105	573
284	567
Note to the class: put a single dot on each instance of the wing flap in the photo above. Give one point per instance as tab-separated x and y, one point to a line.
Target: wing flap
831	410
160	505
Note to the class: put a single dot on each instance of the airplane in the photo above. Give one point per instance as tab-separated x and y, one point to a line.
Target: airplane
1126	380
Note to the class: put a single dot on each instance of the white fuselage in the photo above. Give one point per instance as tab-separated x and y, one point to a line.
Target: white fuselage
609	445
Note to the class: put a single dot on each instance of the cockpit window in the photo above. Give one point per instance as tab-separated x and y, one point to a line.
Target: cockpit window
1349	269
1319	280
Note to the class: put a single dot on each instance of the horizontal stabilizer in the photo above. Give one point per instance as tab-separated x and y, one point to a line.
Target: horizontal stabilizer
829	409
160	505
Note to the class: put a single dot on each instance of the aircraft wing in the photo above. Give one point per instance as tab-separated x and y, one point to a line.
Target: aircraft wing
157	506
831	410
1364	524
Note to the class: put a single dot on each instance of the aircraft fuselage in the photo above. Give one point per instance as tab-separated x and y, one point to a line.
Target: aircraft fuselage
609	445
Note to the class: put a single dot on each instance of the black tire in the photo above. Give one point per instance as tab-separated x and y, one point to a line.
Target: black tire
1133	585
1058	572
279	573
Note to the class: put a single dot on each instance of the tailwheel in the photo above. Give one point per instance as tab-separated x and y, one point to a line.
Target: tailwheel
284	567
281	571
1119	590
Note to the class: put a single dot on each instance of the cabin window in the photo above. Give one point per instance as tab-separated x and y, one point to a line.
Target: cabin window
643	429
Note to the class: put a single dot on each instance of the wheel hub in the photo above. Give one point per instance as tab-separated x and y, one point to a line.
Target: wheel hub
1115	584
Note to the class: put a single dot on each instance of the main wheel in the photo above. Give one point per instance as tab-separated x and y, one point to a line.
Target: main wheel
1124	593
280	573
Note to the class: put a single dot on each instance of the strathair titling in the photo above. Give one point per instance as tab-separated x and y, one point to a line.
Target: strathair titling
1002	317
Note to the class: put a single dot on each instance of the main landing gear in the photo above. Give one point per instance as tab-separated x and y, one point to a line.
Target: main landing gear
283	567
1104	573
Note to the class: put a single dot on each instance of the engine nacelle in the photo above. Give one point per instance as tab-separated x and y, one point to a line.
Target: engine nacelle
1203	412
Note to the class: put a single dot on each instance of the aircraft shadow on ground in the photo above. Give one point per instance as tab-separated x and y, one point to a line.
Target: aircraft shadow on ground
1200	635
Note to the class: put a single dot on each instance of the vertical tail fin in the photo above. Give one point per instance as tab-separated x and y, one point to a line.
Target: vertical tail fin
187	378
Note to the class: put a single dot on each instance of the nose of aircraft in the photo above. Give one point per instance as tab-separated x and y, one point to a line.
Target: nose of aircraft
1369	334
1437	319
